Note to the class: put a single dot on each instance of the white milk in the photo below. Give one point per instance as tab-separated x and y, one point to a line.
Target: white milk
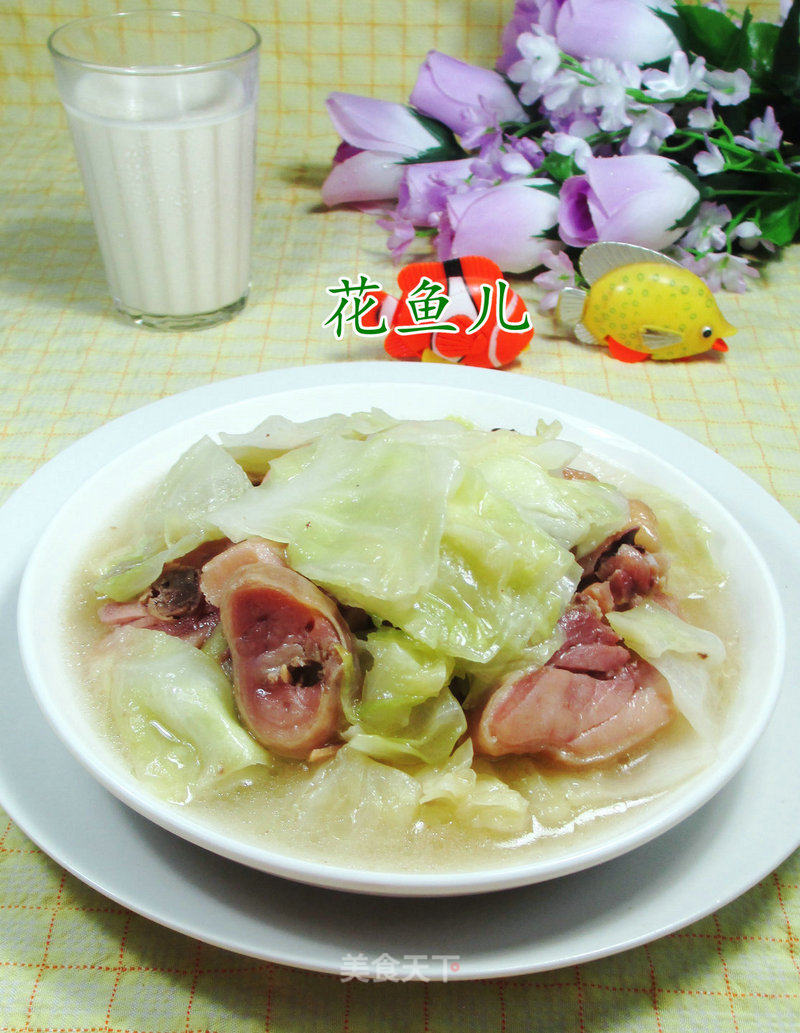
167	164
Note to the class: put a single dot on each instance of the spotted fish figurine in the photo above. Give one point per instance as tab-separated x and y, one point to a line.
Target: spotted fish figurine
642	305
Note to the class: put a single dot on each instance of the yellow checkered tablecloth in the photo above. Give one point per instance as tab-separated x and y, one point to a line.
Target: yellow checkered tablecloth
70	960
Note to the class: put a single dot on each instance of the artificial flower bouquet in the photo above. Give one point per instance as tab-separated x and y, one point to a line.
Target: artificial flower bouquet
671	126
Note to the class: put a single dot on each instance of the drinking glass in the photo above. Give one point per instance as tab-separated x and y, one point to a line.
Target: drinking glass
162	109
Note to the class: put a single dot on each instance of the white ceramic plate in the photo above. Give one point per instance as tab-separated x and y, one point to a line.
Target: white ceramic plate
95	505
709	859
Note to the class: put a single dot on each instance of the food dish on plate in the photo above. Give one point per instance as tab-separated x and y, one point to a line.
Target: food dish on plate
65	808
444	644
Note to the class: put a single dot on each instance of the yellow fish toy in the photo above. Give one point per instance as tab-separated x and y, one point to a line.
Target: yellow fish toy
643	305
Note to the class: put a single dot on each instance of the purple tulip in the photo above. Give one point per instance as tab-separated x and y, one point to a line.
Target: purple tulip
364	176
467	99
502	222
377	136
379	125
634	199
620	30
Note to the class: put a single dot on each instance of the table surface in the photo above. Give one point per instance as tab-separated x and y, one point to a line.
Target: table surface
71	960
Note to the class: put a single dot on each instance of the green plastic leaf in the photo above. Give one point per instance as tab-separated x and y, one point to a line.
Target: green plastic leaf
713	35
447	149
763	38
559	167
786	60
781	224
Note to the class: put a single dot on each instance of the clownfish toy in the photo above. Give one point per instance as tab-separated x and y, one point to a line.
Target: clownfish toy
642	305
459	311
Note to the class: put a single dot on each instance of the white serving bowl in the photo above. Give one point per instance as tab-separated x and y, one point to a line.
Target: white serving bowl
414	393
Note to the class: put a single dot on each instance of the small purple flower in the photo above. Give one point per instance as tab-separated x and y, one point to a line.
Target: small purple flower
749	236
526	15
608	94
707	232
563	96
539	61
721	270
709	162
701	118
560	274
680	79
566	143
503	158
467	99
425	187
765	134
401	233
728	88
648	131
620	30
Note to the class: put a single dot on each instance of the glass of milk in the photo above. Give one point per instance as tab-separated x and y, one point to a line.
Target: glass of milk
162	109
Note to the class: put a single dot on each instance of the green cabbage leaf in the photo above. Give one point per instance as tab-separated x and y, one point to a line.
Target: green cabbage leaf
406	711
352	793
256	449
176	519
525	469
172	708
501	583
455	792
361	519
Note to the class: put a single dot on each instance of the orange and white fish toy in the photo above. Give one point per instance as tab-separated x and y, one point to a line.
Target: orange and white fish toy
643	305
459	311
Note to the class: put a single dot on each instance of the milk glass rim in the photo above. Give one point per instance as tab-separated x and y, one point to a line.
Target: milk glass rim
152	69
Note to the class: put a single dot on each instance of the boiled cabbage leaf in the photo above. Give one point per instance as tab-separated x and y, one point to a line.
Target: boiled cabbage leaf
401	673
352	793
173	710
525	469
406	712
429	734
501	583
685	655
256	449
405	531
454	791
360	518
177	518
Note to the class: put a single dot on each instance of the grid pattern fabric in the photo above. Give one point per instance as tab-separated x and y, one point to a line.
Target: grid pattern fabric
70	960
